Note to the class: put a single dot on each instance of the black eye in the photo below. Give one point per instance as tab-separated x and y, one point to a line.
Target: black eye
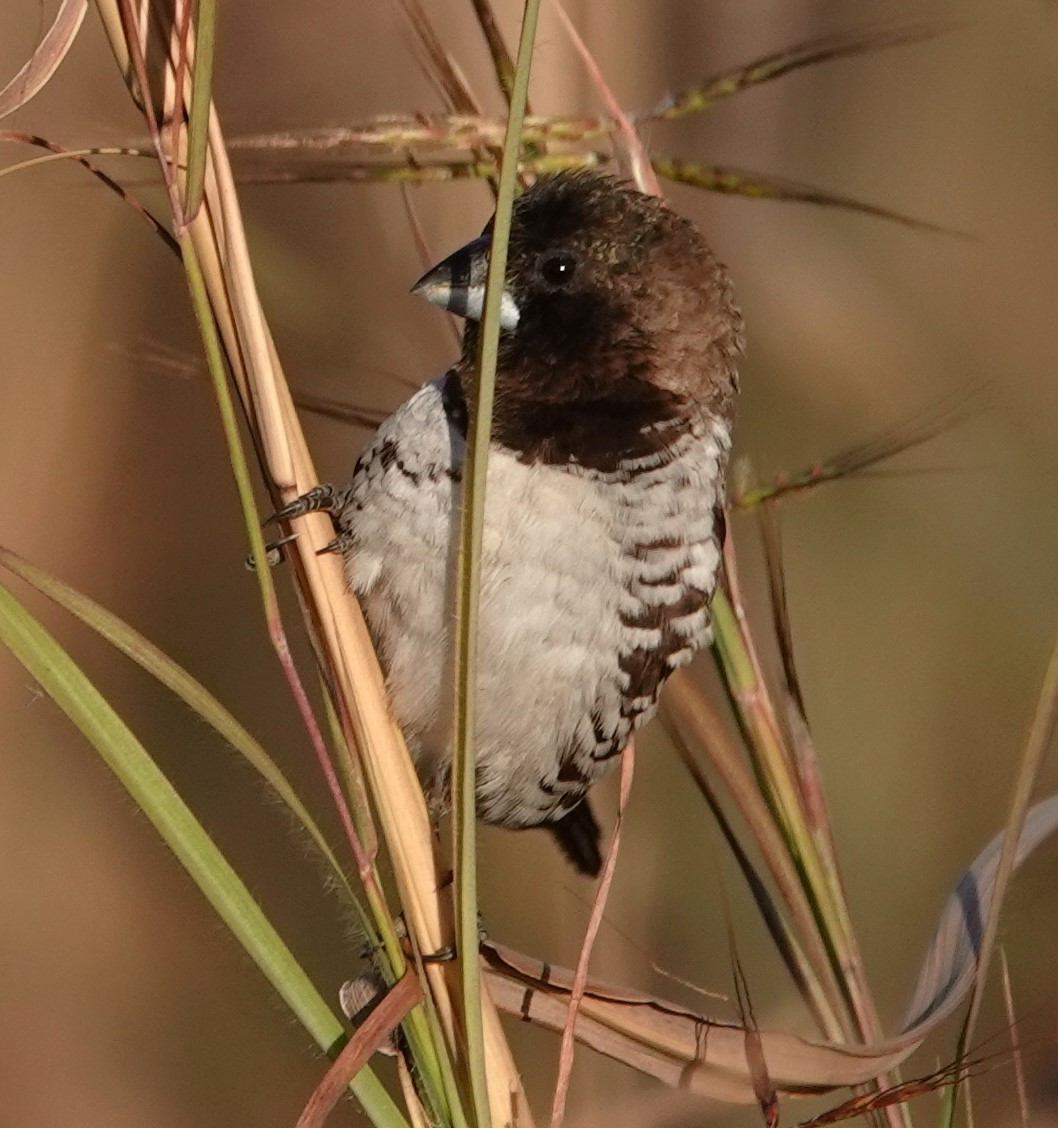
558	268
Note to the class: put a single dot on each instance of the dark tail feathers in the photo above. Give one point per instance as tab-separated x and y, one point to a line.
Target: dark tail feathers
578	835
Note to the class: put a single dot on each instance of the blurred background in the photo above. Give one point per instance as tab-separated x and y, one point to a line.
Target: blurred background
924	602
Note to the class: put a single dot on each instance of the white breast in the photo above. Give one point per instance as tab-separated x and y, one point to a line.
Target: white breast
577	566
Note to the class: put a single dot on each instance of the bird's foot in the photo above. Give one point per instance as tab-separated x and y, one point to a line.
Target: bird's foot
273	552
323	498
443	955
320	499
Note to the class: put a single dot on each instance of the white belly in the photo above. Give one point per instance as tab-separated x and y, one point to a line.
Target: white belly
572	561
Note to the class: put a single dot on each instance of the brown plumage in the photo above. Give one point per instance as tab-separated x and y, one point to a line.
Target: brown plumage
643	329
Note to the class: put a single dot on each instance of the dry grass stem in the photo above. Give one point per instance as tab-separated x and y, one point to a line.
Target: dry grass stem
369	1036
219	240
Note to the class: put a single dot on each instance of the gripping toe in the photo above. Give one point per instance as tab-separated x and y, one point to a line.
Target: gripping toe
320	499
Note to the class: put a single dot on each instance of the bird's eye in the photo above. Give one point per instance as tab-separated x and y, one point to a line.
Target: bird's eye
558	268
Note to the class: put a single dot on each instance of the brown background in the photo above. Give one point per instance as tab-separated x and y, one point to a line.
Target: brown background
924	604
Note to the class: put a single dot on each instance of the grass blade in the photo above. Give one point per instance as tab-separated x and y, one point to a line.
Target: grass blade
1015	1042
630	153
472	521
201	99
365	862
760	186
1041	735
806	961
769	67
78	698
502	62
580	978
80	156
241	473
437	64
424	169
865	458
175	678
224	295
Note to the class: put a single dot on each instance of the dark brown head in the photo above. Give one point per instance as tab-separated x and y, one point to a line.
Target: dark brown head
616	317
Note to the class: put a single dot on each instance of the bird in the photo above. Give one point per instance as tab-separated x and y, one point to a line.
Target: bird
604	520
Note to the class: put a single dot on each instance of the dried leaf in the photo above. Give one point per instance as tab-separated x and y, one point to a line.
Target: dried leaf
44	62
674	1044
369	1036
682	1048
950	964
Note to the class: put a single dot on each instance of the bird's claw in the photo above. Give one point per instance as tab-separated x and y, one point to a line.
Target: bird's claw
273	552
323	498
443	955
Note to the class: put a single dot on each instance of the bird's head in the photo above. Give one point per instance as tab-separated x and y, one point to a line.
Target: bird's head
611	301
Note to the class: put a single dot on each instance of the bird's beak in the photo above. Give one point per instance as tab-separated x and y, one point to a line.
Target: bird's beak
458	284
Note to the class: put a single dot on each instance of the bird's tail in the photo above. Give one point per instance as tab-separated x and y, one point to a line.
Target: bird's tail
578	835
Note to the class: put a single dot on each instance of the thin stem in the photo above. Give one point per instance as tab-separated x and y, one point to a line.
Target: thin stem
580	979
201	99
472	521
1041	735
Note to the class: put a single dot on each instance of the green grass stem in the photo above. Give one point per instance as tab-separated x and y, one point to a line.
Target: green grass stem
70	689
472	520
